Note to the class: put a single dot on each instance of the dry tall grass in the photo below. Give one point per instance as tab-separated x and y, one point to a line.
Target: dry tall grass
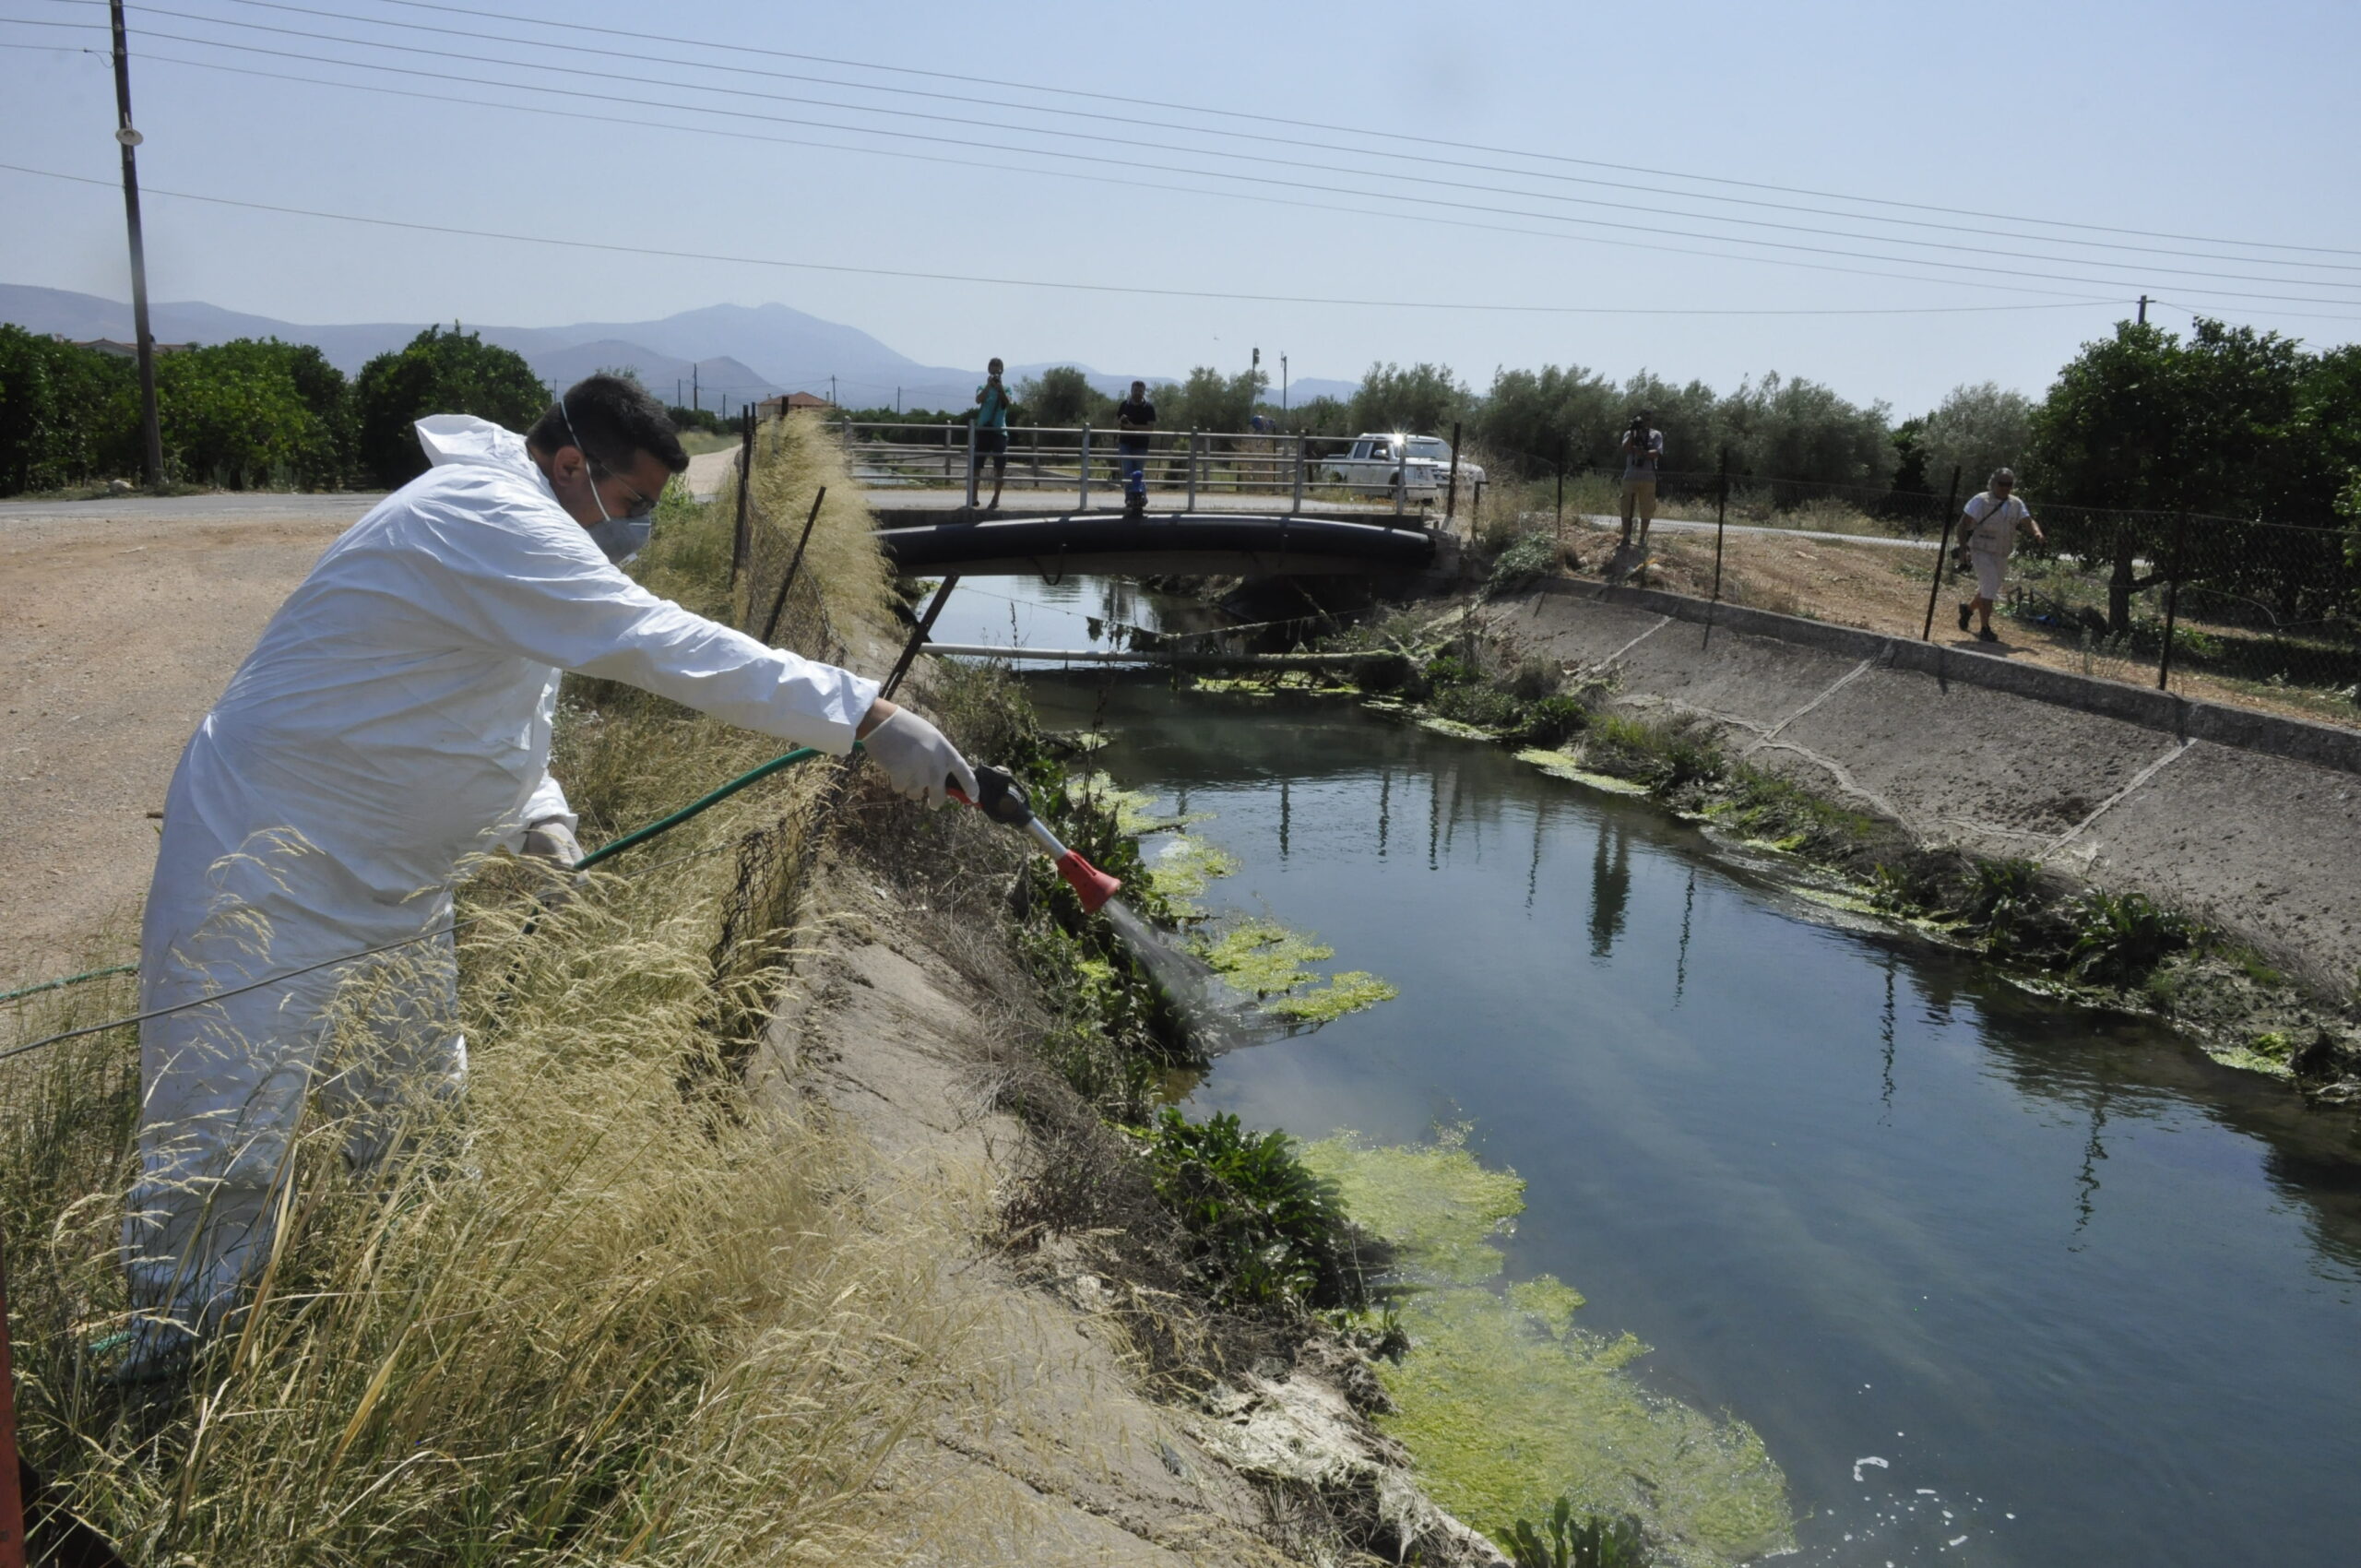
607	1310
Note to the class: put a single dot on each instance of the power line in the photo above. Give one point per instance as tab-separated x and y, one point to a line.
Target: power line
1132	184
741	47
641	57
2002	272
644	82
1040	283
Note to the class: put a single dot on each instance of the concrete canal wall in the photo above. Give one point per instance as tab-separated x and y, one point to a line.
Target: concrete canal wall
2247	819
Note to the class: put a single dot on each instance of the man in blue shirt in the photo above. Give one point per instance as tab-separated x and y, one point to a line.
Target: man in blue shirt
991	428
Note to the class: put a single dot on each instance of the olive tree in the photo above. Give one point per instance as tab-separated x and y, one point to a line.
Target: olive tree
1975	430
1063	395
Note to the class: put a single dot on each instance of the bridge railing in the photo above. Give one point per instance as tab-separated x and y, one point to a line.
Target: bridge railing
1083	460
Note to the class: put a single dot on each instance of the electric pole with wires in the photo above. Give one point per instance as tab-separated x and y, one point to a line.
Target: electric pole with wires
151	452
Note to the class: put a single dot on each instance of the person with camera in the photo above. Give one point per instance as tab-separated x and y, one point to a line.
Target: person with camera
991	430
1643	455
1987	532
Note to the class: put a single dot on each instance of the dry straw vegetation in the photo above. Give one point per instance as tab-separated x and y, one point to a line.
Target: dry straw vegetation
612	1309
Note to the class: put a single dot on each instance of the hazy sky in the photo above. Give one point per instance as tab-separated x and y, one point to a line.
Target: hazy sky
2231	125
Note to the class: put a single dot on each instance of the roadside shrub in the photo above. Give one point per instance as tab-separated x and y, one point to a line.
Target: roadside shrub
1530	555
2119	937
1554	720
437	372
1268	1232
67	415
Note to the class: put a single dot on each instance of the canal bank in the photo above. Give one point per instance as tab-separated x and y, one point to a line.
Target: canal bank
1968	1257
2249	820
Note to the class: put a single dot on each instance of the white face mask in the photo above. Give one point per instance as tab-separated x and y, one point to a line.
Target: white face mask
618	539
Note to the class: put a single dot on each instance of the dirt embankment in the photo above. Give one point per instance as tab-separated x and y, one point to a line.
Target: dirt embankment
119	635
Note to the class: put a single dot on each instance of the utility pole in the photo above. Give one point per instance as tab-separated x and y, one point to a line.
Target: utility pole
676	391
1283	383
831	391
694	404
2144	310
151	433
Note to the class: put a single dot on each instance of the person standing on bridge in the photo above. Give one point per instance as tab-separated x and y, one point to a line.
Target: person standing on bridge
1643	457
393	723
1134	419
1988	526
991	430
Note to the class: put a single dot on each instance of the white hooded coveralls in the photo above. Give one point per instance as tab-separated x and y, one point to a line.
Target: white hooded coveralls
393	720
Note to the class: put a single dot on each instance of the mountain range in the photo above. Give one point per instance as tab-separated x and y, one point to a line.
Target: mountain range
731	353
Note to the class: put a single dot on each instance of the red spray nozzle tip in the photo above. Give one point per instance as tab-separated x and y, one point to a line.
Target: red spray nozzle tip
1090	884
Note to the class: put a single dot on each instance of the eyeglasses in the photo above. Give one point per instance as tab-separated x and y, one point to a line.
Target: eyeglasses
641	505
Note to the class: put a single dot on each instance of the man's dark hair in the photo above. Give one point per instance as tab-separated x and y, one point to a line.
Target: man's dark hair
609	419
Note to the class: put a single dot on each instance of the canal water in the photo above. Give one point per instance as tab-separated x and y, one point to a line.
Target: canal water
2089	1297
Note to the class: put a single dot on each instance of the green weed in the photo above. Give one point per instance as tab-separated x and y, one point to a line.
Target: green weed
1269	1232
1566	1541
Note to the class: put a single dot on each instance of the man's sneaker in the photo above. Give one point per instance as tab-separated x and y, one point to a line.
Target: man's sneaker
1964	612
1988	636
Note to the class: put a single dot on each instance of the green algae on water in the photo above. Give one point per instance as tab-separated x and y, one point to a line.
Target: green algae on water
1506	1403
1183	867
1269	962
1562	764
1435	1201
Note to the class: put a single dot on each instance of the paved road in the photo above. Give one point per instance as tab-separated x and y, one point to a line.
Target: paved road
249	506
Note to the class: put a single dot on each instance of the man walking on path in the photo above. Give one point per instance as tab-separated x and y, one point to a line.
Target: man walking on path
1643	455
991	428
1134	417
1988	529
393	723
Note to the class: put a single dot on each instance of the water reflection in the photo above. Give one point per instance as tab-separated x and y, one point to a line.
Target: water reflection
1610	888
1728	1169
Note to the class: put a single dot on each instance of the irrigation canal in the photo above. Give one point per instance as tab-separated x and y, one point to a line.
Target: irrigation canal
2091	1298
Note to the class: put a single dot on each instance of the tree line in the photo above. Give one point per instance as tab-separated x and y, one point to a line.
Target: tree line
2226	421
254	413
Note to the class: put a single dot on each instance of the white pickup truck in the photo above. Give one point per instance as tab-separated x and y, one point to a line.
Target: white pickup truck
1380	461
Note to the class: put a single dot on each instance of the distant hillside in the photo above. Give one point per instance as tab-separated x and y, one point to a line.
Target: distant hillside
738	351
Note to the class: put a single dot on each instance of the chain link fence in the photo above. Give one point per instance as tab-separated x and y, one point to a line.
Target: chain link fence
2249	611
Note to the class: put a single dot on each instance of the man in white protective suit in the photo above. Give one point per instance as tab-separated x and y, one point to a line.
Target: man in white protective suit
393	721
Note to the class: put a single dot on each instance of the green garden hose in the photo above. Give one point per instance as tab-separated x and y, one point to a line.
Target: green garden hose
638	836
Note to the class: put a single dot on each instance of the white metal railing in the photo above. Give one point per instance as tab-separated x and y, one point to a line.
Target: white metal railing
944	456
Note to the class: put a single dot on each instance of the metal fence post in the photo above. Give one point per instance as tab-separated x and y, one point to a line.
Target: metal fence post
1562	503
739	539
971	464
1721	525
1085	504
1193	471
2172	604
1942	549
1298	474
1451	491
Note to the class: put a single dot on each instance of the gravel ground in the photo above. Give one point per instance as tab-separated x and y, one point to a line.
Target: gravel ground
125	620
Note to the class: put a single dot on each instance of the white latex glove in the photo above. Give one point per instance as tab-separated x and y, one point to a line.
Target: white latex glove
918	761
551	842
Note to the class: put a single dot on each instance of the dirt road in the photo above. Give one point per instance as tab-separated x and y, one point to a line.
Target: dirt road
123	622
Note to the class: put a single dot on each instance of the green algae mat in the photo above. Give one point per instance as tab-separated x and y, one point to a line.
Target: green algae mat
1507	1403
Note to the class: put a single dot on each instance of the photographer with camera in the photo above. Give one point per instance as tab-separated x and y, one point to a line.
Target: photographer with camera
1643	455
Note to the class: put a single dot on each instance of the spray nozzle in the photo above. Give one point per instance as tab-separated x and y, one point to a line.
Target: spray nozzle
1000	797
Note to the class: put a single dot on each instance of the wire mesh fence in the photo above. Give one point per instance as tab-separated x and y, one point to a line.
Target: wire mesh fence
2255	613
